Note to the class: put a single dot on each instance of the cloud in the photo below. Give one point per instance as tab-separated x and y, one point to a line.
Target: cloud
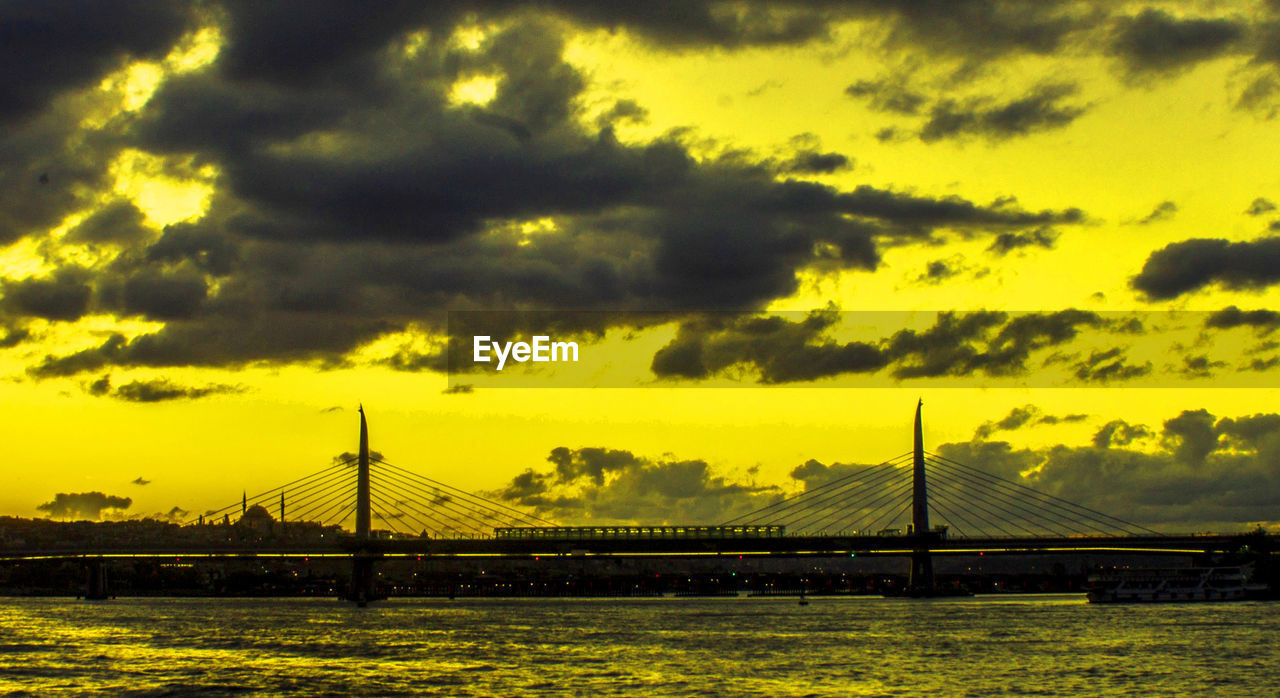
140	481
1163	211
1040	110
1182	267
1004	243
1119	433
1260	206
989	342
161	390
781	351
1019	417
54	47
1197	471
814	162
889	94
1199	366
604	485
939	270
83	505
354	200
1156	42
1261	320
116	222
459	389
1108	365
776	350
63	295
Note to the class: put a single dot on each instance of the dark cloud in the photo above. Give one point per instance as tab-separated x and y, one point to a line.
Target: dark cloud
160	295
83	505
99	387
117	222
992	343
939	270
1204	471
623	110
53	47
13	336
604	485
161	390
354	200
1109	365
1263	321
1119	433
814	162
1005	243
1260	206
1199	366
982	30
889	94
1019	417
1262	364
1040	110
1189	265
459	389
780	351
64	295
1163	211
1157	42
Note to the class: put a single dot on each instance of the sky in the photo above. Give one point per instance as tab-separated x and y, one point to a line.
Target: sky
771	227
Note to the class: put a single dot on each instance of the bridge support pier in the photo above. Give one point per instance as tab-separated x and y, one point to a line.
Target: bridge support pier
95	579
363	579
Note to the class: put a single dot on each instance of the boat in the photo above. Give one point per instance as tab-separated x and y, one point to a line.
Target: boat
1182	584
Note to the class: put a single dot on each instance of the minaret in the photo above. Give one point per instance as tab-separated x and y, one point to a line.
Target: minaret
362	481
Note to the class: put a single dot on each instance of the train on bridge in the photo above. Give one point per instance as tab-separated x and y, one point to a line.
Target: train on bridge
576	533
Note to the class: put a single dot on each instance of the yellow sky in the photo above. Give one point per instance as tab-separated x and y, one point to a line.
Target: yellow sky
1178	138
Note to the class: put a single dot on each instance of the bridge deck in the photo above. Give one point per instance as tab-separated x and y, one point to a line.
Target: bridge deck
777	546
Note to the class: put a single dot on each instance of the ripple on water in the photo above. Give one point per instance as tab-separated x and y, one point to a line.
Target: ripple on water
744	646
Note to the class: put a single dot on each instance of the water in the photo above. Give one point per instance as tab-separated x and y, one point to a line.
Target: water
1035	645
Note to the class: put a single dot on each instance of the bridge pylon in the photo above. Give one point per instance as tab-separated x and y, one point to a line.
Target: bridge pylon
362	561
921	557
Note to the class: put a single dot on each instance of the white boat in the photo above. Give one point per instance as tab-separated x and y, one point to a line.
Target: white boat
1174	584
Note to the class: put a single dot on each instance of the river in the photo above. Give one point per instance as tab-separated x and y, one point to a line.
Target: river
1035	645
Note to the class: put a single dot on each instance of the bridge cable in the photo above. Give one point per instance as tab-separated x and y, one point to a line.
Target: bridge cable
439	518
1012	491
972	504
758	514
482	503
229	507
444	504
795	515
1013	510
869	513
1077	509
856	501
1071	525
865	480
949	519
841	512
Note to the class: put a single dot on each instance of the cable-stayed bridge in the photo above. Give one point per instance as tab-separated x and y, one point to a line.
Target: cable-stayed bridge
917	505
